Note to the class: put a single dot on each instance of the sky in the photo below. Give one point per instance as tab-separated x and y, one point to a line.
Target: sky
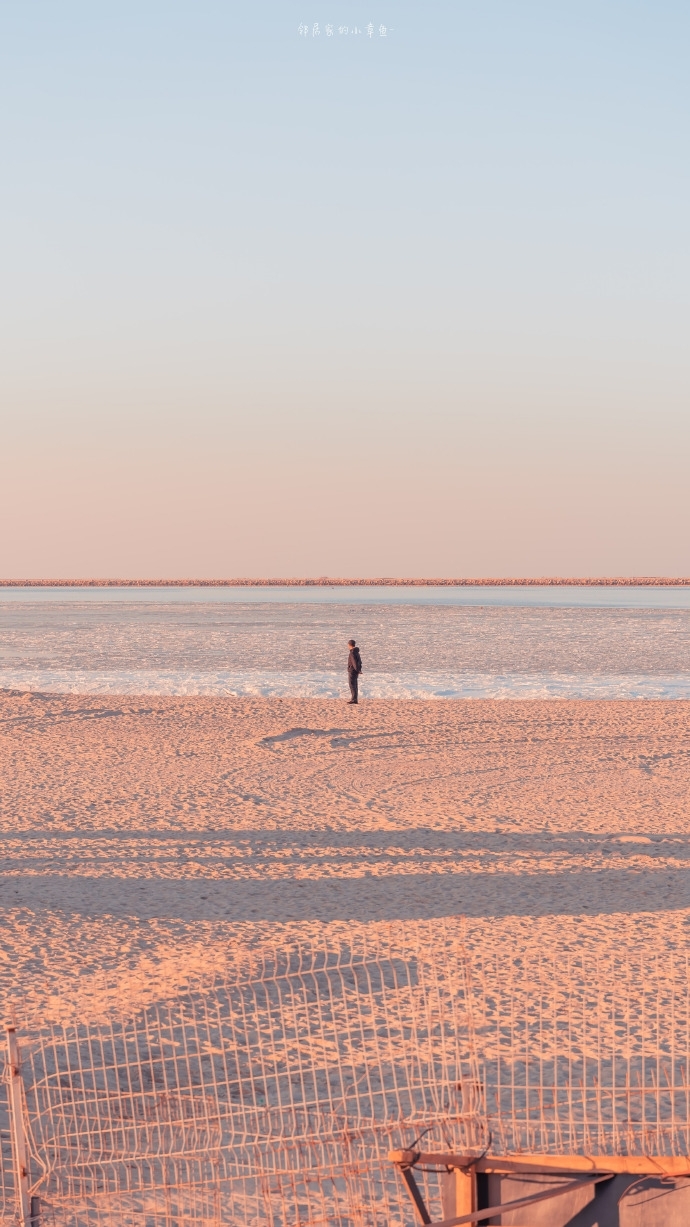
344	287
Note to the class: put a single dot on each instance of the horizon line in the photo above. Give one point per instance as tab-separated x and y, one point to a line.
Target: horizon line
323	581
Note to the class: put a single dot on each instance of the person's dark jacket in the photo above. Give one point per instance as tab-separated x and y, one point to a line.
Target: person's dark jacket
354	661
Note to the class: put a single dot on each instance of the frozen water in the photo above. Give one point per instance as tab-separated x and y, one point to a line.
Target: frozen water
119	642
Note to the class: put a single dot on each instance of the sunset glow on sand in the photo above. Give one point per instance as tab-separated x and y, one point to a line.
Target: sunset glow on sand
345	614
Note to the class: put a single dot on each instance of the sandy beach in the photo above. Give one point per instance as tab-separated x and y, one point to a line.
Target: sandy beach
141	836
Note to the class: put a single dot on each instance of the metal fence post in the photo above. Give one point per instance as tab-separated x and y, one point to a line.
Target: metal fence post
21	1171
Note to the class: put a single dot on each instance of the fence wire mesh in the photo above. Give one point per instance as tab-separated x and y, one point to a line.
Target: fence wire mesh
585	1055
267	1095
271	1094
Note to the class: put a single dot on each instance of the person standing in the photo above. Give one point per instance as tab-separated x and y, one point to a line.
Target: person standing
354	668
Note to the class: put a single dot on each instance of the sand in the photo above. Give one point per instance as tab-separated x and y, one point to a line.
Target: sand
141	837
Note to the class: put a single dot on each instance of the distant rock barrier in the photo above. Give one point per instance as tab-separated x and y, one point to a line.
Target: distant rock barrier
619	581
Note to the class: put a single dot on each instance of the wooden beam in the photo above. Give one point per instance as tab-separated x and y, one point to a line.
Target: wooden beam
19	1151
632	1165
415	1195
458	1192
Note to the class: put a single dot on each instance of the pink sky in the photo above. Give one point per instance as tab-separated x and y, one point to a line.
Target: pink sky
272	306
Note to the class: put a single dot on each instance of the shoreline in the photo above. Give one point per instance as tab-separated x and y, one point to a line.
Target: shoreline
605	689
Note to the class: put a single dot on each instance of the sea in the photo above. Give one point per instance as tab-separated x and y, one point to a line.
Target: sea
416	643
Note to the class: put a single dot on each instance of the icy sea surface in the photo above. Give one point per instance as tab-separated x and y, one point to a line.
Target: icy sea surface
416	643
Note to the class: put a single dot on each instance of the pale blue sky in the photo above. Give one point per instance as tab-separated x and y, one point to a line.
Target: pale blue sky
405	305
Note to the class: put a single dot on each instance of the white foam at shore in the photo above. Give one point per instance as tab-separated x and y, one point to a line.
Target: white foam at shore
312	684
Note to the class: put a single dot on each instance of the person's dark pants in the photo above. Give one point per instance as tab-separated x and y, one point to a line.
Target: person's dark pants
353	679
